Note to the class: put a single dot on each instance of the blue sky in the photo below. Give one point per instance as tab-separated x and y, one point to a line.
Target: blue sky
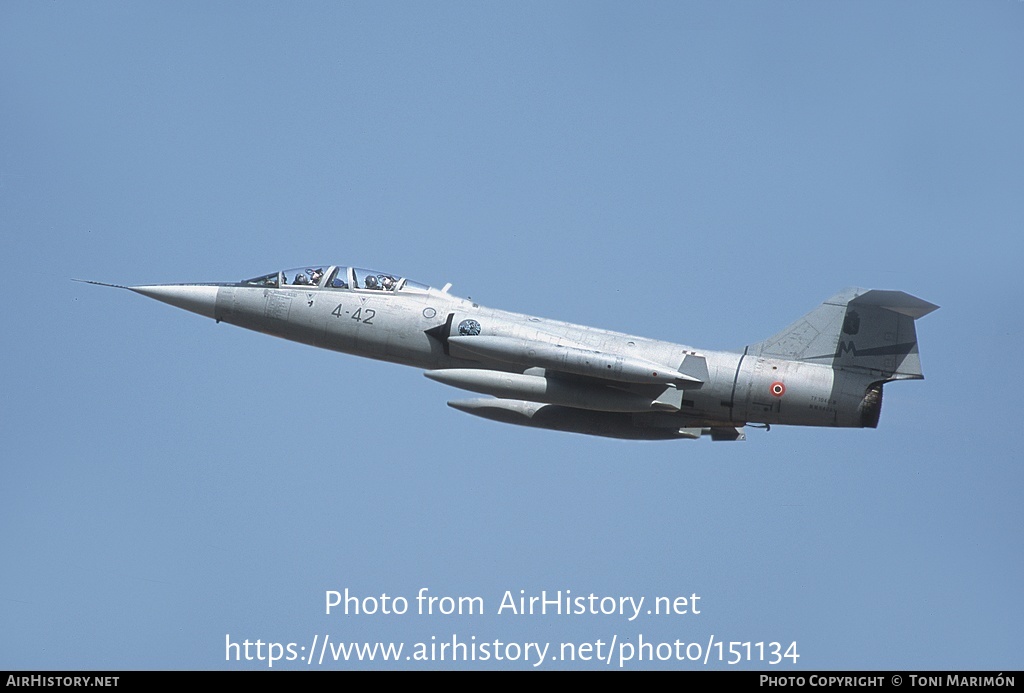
697	172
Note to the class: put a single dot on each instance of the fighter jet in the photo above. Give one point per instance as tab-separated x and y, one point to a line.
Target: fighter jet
826	369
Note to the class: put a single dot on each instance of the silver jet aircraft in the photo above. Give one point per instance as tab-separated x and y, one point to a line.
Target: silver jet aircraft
826	369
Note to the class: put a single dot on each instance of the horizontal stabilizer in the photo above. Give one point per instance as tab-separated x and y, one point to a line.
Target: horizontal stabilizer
896	301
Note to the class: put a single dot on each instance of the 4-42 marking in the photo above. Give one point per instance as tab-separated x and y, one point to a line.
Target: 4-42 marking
363	315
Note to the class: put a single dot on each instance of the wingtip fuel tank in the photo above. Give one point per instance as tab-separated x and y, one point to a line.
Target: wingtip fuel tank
548	390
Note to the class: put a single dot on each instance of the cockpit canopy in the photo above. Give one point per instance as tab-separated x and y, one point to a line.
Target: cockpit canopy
336	277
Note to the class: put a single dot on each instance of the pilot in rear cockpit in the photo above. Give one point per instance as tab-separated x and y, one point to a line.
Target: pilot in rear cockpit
316	277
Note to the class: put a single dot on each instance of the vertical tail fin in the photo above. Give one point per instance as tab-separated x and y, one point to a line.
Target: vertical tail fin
857	329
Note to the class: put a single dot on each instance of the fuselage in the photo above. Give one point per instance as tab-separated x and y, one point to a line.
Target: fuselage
411	324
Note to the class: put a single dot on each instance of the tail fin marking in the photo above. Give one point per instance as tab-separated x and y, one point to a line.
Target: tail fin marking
858	329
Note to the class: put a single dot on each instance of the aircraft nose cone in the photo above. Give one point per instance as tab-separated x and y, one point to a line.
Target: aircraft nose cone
192	297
